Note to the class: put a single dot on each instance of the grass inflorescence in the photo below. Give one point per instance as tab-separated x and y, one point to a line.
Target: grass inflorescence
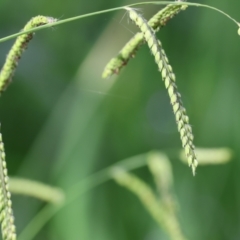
6	213
169	79
17	50
159	20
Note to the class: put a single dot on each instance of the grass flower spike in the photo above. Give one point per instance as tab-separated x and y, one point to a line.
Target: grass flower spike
18	48
6	213
168	77
128	51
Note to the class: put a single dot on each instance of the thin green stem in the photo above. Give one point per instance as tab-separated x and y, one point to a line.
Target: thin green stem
36	189
190	4
116	9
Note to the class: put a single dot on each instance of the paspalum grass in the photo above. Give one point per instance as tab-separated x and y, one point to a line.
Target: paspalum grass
147	34
6	74
168	77
18	48
159	20
6	213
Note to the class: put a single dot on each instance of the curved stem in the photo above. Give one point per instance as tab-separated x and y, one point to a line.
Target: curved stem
115	9
36	189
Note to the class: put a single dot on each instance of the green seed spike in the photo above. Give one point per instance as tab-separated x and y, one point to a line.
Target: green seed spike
168	77
6	213
17	50
129	50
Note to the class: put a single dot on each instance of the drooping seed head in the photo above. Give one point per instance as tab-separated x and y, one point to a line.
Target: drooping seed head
169	78
18	48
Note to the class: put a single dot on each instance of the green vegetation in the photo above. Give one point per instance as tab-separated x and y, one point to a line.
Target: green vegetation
63	126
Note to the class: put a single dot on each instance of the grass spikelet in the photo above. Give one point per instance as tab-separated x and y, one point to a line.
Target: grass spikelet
18	48
159	20
168	77
6	213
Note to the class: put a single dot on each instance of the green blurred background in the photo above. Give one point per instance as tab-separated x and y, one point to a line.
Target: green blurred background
61	122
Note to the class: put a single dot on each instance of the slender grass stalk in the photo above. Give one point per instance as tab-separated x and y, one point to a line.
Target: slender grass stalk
36	189
169	79
55	23
159	20
6	213
41	22
18	48
166	220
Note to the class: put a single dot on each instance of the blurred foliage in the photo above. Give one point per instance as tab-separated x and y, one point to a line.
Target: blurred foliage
61	122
